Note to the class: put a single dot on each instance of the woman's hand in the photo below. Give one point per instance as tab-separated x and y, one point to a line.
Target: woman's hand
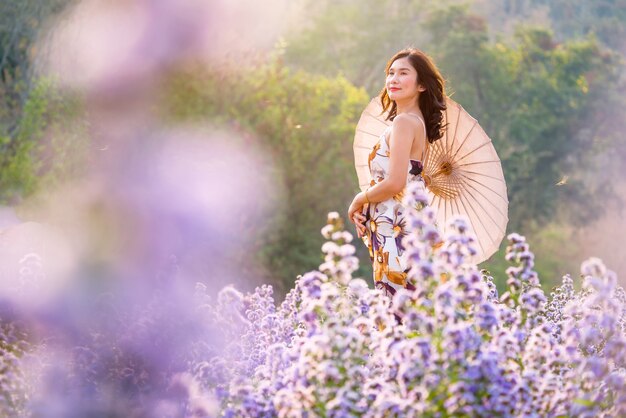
359	221
355	215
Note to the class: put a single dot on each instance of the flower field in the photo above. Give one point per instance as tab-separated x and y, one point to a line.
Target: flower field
334	347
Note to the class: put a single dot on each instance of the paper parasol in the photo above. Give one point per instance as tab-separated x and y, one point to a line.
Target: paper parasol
462	172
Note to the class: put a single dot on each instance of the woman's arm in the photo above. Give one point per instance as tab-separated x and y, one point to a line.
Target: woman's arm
403	131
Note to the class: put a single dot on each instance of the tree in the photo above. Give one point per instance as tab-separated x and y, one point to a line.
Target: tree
356	38
579	18
28	105
306	123
20	24
537	99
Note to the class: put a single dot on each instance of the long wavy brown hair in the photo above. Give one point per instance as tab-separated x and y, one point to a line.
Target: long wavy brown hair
432	101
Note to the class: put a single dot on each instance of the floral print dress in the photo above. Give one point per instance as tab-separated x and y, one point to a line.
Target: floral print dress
386	223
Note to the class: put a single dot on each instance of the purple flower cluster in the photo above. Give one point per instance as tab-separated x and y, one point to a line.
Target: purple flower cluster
460	349
336	347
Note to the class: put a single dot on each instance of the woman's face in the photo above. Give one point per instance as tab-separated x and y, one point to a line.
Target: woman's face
401	80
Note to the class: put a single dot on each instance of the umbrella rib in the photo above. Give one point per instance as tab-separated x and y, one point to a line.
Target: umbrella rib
483	174
471	223
465	139
447	118
365	147
375	117
450	185
457	182
488	188
474	150
479	162
458	177
458	209
437	151
448	133
456	128
445	187
360	130
432	167
487	213
433	155
490	202
487	230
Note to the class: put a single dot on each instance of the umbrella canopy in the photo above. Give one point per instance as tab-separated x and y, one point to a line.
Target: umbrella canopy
462	173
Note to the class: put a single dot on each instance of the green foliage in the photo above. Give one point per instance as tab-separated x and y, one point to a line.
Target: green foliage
356	38
549	107
554	109
306	123
553	105
540	103
35	142
556	254
579	18
20	24
535	99
49	144
17	167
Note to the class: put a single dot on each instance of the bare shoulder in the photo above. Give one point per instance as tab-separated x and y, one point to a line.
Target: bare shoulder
406	122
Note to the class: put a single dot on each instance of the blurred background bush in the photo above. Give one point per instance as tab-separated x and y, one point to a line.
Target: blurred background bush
544	78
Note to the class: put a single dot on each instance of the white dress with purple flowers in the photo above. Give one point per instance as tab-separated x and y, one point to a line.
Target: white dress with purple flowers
386	223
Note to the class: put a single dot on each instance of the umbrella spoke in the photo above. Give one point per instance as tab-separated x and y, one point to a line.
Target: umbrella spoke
434	155
363	147
483	174
456	127
374	117
486	212
488	200
479	162
367	132
478	217
447	120
464	140
443	191
474	150
458	209
472	224
447	186
488	188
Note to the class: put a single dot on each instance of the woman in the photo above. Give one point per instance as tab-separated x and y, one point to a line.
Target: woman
414	98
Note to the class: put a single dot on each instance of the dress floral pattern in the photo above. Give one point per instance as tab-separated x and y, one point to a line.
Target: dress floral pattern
386	224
